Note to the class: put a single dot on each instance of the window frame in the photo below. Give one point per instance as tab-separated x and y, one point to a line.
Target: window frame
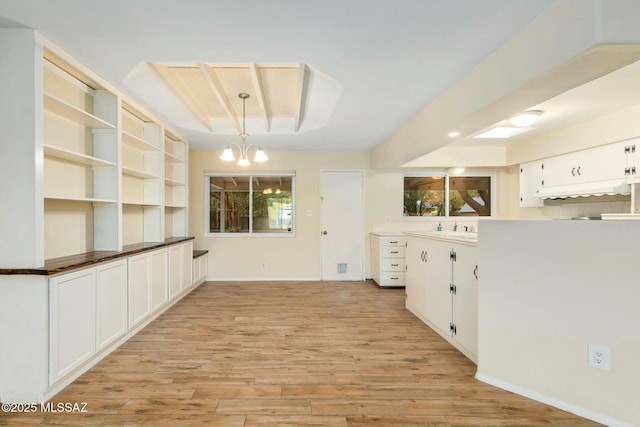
446	216
250	175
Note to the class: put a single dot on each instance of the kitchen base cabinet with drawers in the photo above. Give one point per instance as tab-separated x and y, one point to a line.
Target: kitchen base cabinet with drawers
58	321
387	259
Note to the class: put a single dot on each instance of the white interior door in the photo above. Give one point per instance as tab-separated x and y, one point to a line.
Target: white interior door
342	225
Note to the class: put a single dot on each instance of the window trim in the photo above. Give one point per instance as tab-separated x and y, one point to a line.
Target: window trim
492	174
251	234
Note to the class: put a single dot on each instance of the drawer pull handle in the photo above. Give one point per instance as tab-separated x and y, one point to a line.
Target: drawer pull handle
394	265
393	242
393	278
394	252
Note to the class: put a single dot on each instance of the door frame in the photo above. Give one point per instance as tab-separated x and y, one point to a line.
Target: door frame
322	216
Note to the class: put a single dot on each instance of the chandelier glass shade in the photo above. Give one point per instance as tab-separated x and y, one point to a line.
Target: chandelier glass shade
243	147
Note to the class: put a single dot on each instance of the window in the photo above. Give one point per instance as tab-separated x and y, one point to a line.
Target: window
447	196
260	204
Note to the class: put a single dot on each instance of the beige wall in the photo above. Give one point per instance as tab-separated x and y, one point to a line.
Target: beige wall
296	258
548	289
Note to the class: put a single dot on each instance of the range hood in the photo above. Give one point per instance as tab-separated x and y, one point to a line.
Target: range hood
600	188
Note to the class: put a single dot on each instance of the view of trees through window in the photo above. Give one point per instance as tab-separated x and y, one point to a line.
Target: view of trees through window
250	204
427	196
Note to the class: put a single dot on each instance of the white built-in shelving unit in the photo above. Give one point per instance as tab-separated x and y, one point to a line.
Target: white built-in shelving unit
97	172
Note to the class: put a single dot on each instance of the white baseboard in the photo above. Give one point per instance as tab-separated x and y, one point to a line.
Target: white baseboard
542	398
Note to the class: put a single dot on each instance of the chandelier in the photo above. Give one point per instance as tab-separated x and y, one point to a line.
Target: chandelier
243	147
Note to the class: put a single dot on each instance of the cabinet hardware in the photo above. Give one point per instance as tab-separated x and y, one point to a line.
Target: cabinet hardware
573	171
452	328
453	289
633	170
578	170
475	272
393	278
633	148
627	149
521	170
452	255
394	252
542	182
393	242
627	171
394	265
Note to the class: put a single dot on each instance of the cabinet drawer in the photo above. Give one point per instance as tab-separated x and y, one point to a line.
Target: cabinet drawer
392	252
392	264
390	278
392	241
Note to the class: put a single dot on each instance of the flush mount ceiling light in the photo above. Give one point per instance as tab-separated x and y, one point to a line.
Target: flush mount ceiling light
243	147
455	170
525	119
454	134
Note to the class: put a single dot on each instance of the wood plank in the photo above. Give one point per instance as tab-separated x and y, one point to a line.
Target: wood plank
294	353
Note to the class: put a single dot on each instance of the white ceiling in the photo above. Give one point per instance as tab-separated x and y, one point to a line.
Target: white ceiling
390	57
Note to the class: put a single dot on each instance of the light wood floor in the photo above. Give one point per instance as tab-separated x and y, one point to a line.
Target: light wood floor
291	354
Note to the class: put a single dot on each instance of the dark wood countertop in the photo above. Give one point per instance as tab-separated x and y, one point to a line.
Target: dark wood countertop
200	252
72	262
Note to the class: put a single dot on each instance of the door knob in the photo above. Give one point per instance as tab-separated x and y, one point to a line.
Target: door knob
324	232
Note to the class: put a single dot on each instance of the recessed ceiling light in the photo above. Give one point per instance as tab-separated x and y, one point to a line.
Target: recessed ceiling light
454	134
502	132
525	119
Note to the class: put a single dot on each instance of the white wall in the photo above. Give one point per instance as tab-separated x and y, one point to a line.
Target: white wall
548	289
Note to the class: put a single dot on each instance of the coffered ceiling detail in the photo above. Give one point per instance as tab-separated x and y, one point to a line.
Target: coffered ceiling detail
280	95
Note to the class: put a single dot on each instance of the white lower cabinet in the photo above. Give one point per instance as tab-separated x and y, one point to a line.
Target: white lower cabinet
87	312
180	265
72	333
464	317
200	269
175	270
442	290
111	302
158	271
416	272
388	259
139	288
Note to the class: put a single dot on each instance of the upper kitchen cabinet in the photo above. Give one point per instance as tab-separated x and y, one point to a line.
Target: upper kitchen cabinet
582	169
82	167
530	184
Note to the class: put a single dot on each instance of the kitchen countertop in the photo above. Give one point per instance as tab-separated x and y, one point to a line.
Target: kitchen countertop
72	262
464	237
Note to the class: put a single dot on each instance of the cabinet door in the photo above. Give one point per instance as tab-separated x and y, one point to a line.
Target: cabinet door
175	273
158	271
465	307
187	264
111	302
416	260
375	258
72	321
530	184
602	163
558	171
139	288
438	279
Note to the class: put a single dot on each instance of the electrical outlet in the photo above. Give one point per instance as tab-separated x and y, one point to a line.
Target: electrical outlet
599	357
